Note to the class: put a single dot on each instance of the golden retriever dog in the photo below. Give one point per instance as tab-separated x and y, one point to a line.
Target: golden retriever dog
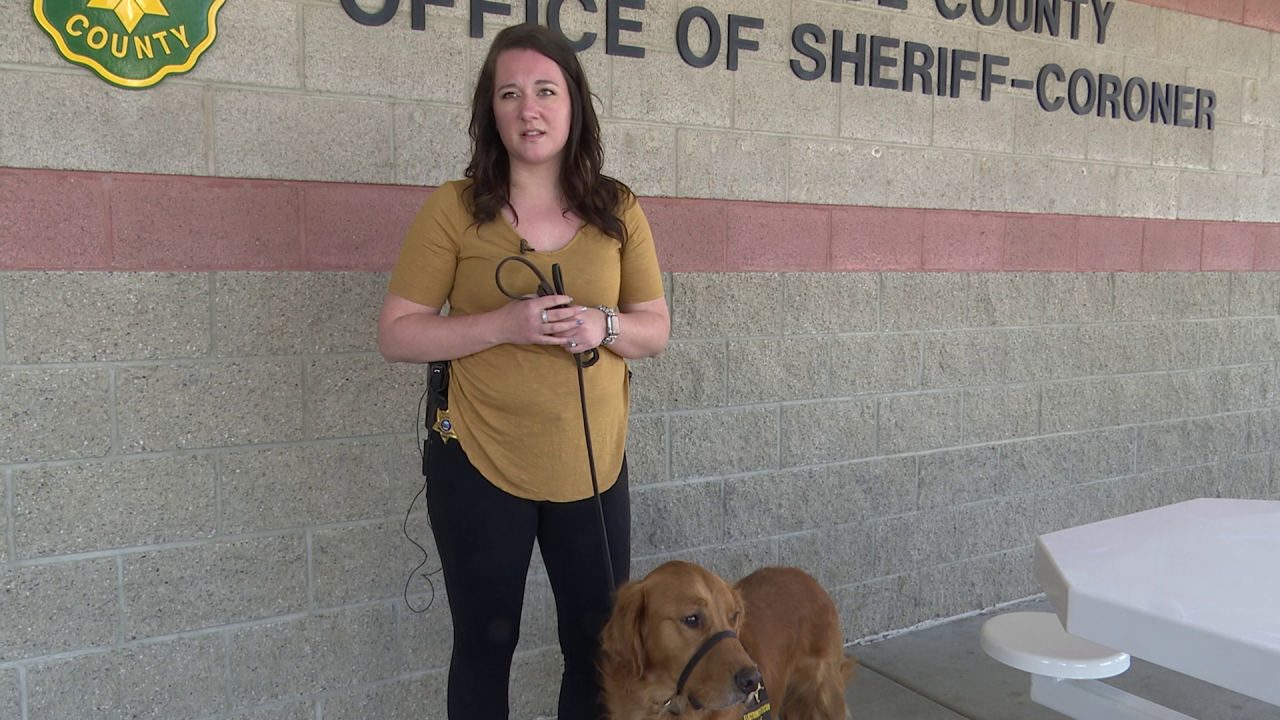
784	631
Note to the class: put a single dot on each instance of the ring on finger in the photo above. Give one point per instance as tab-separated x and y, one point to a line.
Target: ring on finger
544	317
573	343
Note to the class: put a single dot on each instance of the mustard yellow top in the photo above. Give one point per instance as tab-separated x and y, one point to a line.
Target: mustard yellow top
515	408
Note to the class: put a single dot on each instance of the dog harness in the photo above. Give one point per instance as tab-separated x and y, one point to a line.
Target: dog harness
757	702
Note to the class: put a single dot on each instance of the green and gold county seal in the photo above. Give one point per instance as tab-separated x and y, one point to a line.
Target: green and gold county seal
131	43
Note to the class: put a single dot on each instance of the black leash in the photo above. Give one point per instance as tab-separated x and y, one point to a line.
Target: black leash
592	356
437	399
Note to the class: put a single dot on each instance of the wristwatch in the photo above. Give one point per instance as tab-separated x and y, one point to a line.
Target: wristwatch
610	324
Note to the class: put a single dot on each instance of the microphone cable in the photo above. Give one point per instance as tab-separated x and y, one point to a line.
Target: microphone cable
426	556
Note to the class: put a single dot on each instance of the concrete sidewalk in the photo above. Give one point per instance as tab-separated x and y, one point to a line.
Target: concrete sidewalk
940	673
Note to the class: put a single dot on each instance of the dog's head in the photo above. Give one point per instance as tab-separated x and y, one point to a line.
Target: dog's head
659	624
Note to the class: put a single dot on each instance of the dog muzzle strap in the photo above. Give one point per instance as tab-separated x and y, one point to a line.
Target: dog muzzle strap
693	662
757	702
702	651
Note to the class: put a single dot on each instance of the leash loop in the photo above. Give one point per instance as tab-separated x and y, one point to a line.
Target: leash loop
586	358
544	287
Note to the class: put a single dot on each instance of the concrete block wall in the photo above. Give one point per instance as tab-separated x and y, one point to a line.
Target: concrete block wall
909	334
202	512
299	91
959	417
211	524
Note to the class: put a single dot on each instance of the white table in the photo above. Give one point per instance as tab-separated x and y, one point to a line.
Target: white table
1194	587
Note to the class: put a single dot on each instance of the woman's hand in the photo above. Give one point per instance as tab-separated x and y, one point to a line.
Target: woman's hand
539	321
588	332
643	329
409	332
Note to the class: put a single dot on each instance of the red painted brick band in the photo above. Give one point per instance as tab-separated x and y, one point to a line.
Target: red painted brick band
1261	14
63	220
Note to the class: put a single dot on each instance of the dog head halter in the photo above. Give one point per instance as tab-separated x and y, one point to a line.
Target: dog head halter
688	670
758	702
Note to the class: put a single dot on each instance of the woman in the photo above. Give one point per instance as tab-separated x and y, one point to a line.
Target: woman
518	468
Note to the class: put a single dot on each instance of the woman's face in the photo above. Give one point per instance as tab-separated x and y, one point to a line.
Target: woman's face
532	108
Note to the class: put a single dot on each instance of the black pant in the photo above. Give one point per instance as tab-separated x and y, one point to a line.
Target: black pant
485	539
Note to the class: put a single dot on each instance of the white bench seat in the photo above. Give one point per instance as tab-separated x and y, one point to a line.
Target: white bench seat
1035	642
1065	670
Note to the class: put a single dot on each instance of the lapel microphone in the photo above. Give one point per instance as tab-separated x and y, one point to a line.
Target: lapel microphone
525	247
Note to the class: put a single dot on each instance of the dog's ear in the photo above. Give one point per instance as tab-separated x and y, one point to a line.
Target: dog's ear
622	640
739	610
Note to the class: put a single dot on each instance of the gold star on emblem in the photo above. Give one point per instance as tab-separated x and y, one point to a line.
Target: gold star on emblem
130	12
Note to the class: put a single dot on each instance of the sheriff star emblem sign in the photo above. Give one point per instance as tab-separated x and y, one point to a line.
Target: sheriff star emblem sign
131	43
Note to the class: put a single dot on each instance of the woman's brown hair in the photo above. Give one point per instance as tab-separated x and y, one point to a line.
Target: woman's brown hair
594	197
